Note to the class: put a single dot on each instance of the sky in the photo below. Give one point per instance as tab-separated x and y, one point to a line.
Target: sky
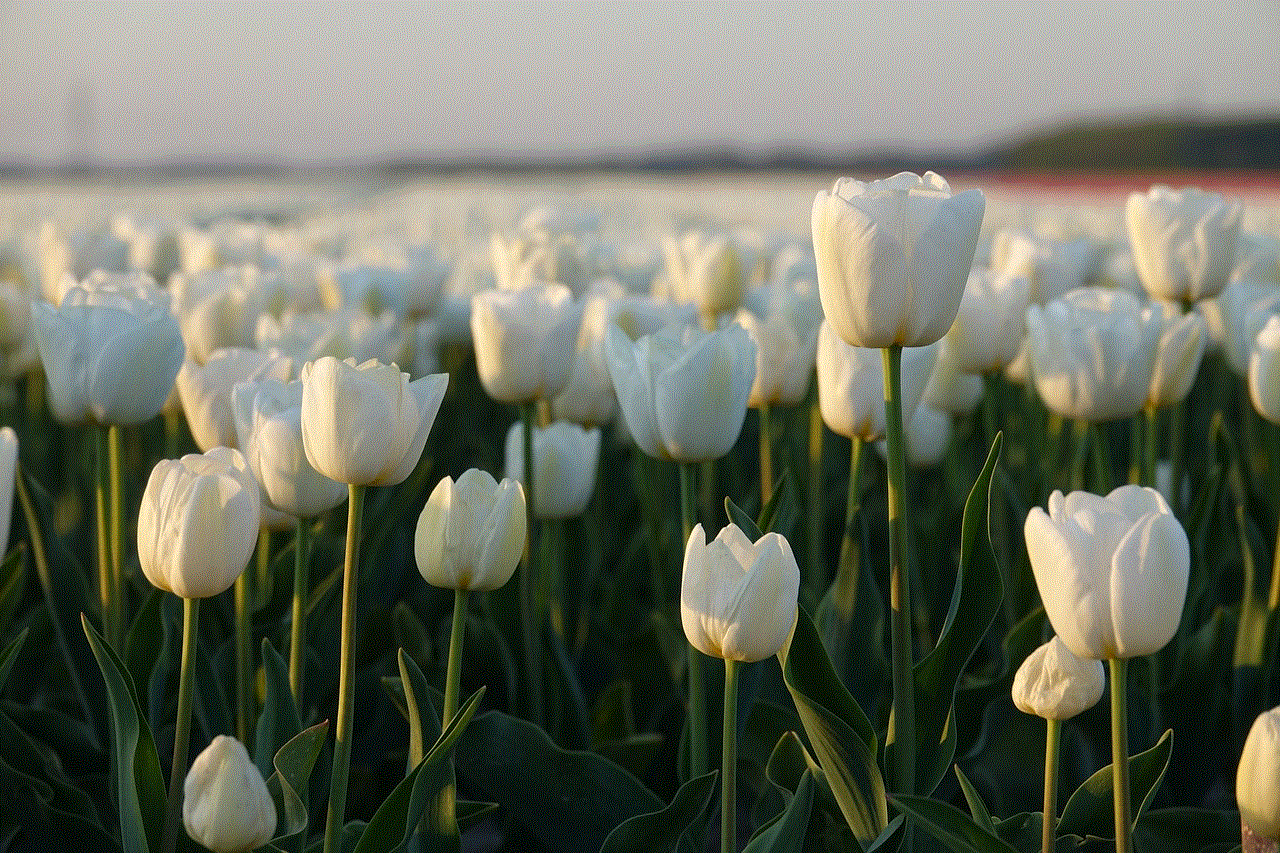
326	82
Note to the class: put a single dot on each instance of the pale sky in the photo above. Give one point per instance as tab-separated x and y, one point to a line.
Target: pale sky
326	81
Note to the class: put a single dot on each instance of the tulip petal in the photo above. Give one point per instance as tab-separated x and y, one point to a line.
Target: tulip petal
1149	574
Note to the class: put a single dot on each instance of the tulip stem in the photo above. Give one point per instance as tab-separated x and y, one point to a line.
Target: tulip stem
106	575
452	687
1101	458
1151	440
182	727
902	727
244	663
1052	737
117	532
815	577
1273	597
766	456
1120	754
1079	432
346	675
729	761
528	573
1177	425
697	690
298	626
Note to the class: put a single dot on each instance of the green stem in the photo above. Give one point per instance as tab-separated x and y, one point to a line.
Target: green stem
452	688
182	728
815	577
1080	433
553	573
902	728
1273	598
1177	425
346	675
117	531
298	625
106	576
853	500
729	761
529	575
697	690
1120	754
1052	735
766	456
242	657
1101	458
1150	446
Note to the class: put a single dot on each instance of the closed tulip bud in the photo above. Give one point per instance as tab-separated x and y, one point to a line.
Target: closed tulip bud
471	533
706	271
1264	371
1052	267
1184	241
366	424
1178	355
111	350
198	524
226	806
951	389
784	361
8	474
991	322
1258	776
524	341
205	391
1092	353
683	391
893	257
268	419
1112	572
738	598
1055	684
564	462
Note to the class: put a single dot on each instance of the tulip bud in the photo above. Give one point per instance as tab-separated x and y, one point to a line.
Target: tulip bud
366	424
524	341
565	457
1258	776
1055	684
198	523
205	391
226	806
706	271
738	598
1184	241
1112	572
471	533
1264	371
784	362
990	323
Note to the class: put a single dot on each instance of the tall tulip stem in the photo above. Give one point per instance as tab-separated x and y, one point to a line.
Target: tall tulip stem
902	729
1177	426
117	532
848	566
729	761
244	660
106	574
697	690
346	675
1120	754
1273	596
1150	441
815	576
529	626
298	625
766	455
453	683
182	727
1052	737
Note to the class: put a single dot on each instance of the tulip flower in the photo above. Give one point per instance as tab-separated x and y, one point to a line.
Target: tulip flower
565	456
1052	267
1112	574
949	388
226	805
1055	684
1178	354
990	323
705	270
205	391
1092	353
8	473
1258	777
1184	241
471	533
893	257
1264	370
738	603
524	341
1241	310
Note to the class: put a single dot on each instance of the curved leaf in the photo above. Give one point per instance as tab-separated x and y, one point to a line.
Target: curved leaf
1089	812
661	830
787	835
950	826
288	784
279	721
10	654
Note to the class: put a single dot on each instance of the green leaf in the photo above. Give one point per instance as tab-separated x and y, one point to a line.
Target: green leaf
842	738
145	640
288	784
739	517
569	801
12	576
977	807
423	722
787	835
469	812
975	602
1186	830
10	654
1089	811
661	830
782	496
398	816
950	826
278	723
139	784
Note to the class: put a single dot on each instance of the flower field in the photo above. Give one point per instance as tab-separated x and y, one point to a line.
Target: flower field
763	512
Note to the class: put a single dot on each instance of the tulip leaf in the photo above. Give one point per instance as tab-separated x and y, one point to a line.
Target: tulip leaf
1187	830
977	808
787	834
144	642
397	818
12	574
279	721
950	826
10	654
661	830
842	738
975	602
1089	811
469	812
289	783
569	801
423	722
771	514
139	784
739	517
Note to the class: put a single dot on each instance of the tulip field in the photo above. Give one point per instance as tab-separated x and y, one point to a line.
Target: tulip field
779	512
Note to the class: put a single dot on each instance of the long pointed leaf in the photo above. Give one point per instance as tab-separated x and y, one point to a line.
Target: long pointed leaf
661	830
788	834
1089	810
288	784
950	826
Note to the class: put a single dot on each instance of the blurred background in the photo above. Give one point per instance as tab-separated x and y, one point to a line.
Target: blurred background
163	89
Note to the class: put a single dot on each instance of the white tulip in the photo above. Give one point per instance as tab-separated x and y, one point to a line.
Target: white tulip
226	806
1055	684
524	341
1184	241
205	390
565	457
991	323
471	533
1264	371
1258	776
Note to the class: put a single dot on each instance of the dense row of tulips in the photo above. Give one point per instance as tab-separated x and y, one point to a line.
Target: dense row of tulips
611	384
